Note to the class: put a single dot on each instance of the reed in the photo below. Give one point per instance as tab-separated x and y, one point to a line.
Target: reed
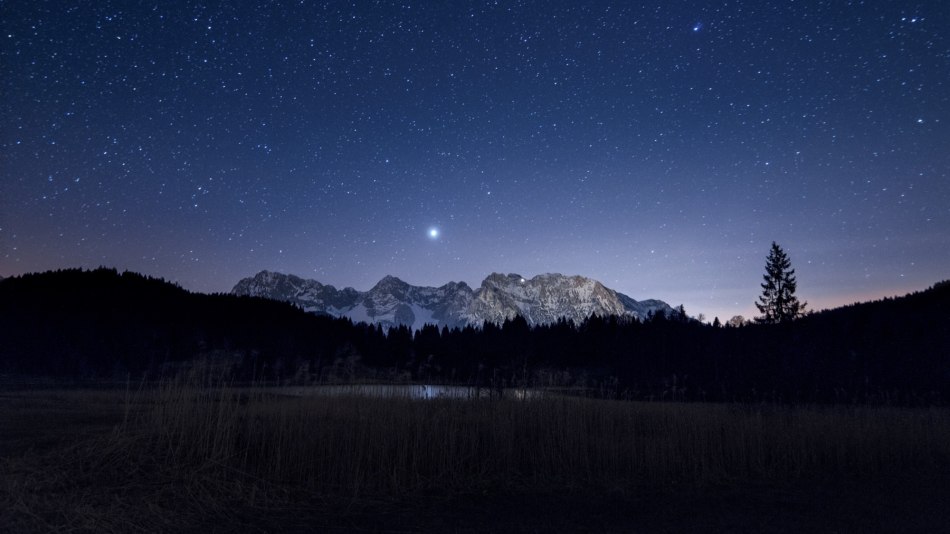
202	453
356	444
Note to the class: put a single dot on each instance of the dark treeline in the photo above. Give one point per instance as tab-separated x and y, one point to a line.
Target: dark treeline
102	324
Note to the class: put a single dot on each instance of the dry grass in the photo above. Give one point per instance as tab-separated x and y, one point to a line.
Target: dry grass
359	445
183	451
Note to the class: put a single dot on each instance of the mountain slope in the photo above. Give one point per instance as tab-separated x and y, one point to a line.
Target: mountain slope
310	295
543	299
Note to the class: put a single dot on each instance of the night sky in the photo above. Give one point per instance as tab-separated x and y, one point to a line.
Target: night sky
657	147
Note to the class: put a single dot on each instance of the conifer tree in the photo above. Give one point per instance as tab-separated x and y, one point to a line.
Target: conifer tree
778	302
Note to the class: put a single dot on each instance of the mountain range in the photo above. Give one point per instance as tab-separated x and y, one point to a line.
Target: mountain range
544	299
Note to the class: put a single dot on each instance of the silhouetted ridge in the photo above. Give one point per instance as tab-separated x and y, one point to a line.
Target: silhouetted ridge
101	322
105	324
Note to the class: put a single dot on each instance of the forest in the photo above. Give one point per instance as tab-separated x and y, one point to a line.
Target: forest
103	325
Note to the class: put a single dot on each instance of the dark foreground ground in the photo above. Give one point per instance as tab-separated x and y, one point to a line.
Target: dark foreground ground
48	484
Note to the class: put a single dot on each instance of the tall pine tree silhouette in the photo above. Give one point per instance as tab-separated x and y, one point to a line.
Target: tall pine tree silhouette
778	302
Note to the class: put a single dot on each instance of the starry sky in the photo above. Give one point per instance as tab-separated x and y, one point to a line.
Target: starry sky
659	147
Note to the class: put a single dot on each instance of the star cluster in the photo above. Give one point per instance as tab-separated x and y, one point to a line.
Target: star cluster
658	147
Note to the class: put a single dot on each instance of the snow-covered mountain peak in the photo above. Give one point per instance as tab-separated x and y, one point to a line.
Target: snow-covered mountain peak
542	299
391	284
390	280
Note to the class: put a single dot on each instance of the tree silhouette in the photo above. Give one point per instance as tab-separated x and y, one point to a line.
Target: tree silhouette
736	321
778	302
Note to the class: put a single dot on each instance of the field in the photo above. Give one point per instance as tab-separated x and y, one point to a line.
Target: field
182	456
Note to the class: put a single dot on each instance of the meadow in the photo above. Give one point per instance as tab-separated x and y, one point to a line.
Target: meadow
197	453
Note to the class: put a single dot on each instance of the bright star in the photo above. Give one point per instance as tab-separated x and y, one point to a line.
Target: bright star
433	233
698	26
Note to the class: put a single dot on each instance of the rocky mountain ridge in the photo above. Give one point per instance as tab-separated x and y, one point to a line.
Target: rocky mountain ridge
544	299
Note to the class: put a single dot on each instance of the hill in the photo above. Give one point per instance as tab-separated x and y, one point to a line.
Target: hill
104	324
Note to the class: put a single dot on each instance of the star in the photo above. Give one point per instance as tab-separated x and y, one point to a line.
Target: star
408	140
